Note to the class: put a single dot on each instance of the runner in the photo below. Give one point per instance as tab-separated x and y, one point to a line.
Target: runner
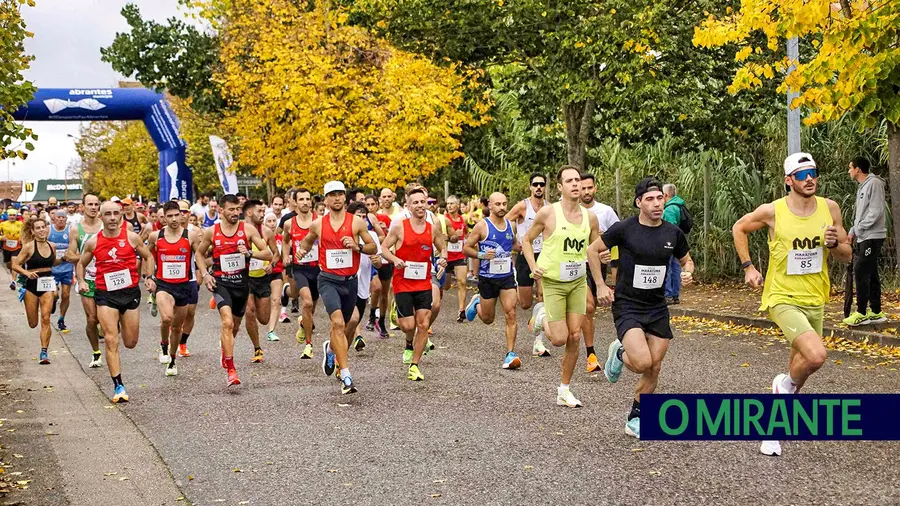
211	216
606	217
10	234
492	241
259	307
63	272
366	275
338	258
381	282
415	238
523	214
288	288
567	230
138	222
305	267
804	230
456	258
117	294
173	249
196	235
228	281
35	262
275	271
640	313
85	229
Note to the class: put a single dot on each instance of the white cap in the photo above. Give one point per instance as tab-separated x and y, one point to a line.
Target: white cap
334	186
792	163
115	199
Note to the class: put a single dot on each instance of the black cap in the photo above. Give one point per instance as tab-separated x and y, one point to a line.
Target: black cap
648	184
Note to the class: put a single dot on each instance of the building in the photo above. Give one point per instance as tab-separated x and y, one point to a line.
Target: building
10	189
41	190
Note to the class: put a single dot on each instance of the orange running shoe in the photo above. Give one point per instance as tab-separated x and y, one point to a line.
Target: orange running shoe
183	351
233	378
592	364
212	302
257	356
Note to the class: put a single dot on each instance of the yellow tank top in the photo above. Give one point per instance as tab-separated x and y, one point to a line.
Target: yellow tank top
564	255
257	267
798	258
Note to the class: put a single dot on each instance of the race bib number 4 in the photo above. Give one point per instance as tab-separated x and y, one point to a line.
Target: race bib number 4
234	262
173	270
338	258
804	261
649	277
455	247
117	280
570	271
46	284
500	265
416	270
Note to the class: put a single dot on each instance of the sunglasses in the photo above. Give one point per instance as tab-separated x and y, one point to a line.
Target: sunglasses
539	185
432	202
803	175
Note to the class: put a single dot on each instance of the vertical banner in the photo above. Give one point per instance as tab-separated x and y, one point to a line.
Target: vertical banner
224	163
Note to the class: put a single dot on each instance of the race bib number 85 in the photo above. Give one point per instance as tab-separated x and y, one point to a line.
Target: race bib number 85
804	261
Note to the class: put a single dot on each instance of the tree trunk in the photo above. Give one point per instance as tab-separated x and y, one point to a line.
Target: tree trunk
894	183
578	124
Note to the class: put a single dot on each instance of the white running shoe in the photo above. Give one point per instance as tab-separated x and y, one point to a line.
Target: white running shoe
172	371
564	397
539	350
95	363
777	385
163	357
536	323
770	448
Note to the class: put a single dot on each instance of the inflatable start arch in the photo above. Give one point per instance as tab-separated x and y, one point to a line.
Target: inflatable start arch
122	104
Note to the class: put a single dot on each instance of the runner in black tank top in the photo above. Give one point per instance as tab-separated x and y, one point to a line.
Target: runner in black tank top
40	288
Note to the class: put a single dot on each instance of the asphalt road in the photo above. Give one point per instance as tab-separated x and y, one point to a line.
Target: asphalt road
471	433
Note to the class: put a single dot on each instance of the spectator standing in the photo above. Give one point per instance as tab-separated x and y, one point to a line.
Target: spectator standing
673	213
869	231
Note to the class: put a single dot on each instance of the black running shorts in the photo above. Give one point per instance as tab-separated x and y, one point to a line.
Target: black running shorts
127	299
307	277
231	296
410	302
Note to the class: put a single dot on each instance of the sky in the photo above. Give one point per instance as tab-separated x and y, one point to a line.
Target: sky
68	35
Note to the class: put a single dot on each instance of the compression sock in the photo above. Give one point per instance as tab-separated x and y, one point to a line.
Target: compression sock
165	348
117	380
184	338
589	350
635	410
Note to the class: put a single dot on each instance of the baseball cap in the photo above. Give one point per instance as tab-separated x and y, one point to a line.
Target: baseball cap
127	201
334	186
798	161
648	184
60	212
115	199
183	206
12	211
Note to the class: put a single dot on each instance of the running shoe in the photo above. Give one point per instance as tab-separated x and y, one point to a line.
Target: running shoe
233	377
414	374
347	386
778	385
633	427
171	370
163	356
393	325
301	334
257	356
295	306
472	309
875	317
45	358
536	323
383	332
511	361
183	351
284	318
539	350
153	309
592	364
370	326
407	356
96	361
61	326
462	317
12	285
770	448
359	343
307	352
121	395
327	359
429	346
613	367
271	336
564	397
855	319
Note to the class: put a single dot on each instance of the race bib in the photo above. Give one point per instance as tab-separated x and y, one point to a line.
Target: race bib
311	256
60	253
173	270
117	280
538	243
234	262
46	284
804	261
416	270
12	243
570	271
648	277
455	247
338	258
500	265
90	272
257	264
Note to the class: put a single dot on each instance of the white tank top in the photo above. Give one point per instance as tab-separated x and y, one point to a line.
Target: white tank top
527	220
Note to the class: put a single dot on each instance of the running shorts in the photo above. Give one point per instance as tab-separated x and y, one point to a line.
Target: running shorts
234	297
795	320
127	299
563	297
459	262
386	271
64	277
194	297
592	285
307	277
523	273
7	255
361	306
653	321
261	288
490	288
181	292
338	293
410	302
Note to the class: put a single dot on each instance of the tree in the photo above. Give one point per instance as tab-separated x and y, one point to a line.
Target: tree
15	91
853	65
316	99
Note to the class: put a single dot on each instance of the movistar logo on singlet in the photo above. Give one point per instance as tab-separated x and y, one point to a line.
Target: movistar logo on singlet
570	244
807	243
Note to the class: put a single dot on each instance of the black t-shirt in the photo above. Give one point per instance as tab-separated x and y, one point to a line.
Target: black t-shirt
285	218
647	250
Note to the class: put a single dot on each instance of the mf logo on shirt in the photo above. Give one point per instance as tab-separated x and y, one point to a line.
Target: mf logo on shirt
573	244
807	243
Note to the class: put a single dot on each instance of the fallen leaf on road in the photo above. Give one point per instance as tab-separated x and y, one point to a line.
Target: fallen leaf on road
637	449
10	430
123	478
113	473
18	456
270	463
529	468
435	495
348	484
343	405
109	407
332	470
439	481
745	364
190	477
244	502
654	472
179	498
19	411
838	361
238	470
23	482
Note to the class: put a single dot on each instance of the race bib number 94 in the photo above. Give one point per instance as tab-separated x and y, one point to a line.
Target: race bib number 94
338	258
804	261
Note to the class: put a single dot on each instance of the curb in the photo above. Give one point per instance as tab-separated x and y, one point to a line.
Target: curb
851	334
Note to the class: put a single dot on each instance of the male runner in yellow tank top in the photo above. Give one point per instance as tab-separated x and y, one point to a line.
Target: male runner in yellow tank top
568	230
803	231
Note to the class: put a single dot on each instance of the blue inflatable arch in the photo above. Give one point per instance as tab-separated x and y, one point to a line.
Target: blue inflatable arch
122	104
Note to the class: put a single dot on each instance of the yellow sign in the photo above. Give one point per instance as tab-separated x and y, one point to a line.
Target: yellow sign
29	187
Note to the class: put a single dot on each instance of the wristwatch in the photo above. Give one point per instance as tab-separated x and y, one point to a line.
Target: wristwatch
746	264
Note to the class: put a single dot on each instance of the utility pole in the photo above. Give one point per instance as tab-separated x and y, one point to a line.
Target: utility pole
793	115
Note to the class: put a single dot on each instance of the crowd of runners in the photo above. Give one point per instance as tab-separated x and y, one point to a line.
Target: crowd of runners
348	252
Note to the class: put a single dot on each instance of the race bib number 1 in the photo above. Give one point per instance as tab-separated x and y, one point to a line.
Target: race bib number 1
117	280
416	270
649	277
804	261
338	258
570	271
500	265
46	284
234	262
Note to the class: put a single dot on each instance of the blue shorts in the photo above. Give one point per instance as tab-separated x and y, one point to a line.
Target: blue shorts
64	277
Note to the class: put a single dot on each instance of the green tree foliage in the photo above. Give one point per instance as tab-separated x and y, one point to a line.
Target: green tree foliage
15	91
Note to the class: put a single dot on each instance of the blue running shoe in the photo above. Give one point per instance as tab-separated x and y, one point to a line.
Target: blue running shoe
633	427
21	294
45	358
472	309
347	386
511	361
613	364
327	359
121	395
